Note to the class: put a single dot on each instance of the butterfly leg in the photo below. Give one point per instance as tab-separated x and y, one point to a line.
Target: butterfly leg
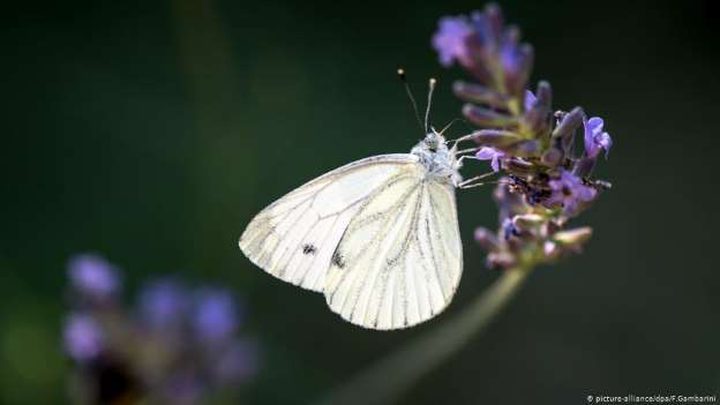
474	181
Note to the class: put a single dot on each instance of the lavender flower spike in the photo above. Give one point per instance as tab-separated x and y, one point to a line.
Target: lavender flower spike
450	40
595	138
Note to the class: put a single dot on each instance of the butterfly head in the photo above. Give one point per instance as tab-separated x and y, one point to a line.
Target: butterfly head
439	160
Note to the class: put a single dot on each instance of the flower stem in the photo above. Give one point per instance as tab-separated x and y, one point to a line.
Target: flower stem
384	381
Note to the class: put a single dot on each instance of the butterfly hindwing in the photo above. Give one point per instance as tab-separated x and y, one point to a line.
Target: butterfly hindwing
400	259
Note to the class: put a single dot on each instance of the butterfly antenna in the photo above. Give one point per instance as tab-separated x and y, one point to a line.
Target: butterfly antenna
403	78
431	89
451	123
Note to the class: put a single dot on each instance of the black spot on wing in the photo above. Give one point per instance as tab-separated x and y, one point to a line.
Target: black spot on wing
309	249
338	260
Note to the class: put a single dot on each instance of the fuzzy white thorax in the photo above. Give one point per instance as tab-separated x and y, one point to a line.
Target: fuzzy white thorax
440	161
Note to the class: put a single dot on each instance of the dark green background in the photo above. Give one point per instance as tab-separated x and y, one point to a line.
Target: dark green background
153	131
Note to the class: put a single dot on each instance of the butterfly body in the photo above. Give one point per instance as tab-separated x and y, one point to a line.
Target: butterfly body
439	160
378	237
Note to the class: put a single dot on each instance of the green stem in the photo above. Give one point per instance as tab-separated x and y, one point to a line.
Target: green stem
384	381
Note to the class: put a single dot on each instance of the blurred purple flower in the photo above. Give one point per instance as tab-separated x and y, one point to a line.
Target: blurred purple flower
450	39
239	363
93	276
83	337
215	316
491	154
595	138
163	303
569	192
182	347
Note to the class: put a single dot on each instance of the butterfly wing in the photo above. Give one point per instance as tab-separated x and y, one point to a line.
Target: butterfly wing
400	260
295	237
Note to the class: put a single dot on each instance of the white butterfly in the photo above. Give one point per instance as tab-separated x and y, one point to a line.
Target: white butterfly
378	237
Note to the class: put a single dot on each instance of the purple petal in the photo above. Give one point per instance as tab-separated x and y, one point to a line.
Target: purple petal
492	154
530	100
569	179
605	142
495	163
593	130
595	124
449	40
93	275
83	337
585	193
486	153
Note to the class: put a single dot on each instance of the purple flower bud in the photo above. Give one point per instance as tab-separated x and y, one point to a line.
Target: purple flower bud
527	222
484	31
501	259
489	23
569	192
524	148
574	238
539	116
569	123
529	101
491	154
163	303
595	138
83	337
478	94
484	117
510	55
450	40
215	317
496	138
516	61
93	276
486	239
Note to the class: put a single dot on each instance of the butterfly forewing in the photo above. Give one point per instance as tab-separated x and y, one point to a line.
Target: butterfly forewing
400	259
295	238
